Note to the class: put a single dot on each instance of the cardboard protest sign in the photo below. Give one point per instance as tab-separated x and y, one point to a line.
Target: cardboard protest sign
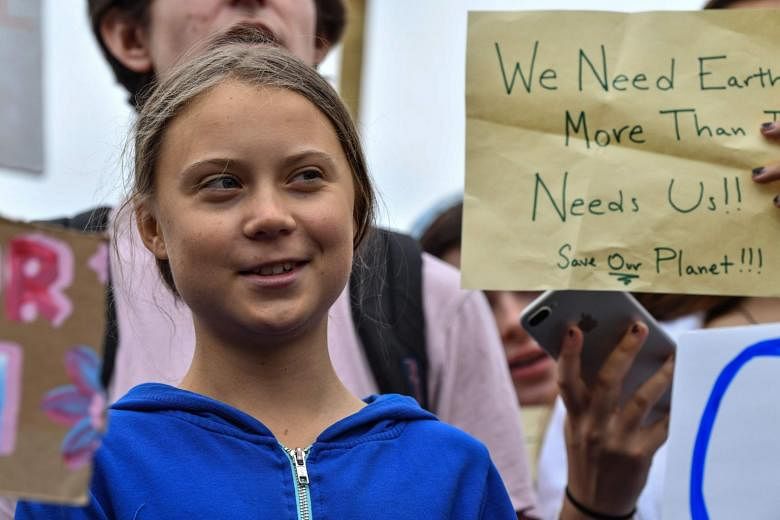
52	321
722	450
614	151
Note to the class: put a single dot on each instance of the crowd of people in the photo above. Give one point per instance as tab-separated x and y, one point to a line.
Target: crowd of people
241	383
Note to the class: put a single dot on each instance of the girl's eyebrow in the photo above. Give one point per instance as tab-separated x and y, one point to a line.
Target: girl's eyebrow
218	162
290	161
309	154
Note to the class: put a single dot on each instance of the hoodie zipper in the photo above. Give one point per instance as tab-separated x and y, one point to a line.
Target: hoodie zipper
301	479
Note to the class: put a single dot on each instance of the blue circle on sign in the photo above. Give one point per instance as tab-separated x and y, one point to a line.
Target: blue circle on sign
767	348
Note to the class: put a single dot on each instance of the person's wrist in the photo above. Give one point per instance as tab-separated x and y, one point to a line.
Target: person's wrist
587	512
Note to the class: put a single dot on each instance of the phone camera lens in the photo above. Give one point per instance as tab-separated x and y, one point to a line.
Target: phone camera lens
539	316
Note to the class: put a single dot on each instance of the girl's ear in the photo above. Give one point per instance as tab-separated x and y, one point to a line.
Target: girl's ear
127	40
151	234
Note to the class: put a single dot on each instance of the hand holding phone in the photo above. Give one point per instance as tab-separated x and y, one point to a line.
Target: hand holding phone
615	371
608	451
603	317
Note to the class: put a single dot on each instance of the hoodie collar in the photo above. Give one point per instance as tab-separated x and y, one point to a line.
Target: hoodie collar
382	416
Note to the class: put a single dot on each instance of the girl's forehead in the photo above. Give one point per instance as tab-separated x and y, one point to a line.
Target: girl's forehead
245	120
232	97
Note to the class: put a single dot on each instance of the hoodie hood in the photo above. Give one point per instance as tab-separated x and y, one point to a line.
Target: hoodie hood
383	415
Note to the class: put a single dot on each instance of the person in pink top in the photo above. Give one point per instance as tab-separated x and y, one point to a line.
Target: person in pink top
467	384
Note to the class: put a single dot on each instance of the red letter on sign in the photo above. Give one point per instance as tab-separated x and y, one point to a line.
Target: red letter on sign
39	269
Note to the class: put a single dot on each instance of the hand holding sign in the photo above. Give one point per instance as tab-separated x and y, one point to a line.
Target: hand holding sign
770	172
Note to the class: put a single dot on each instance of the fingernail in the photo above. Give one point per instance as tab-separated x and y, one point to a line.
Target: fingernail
758	171
777	201
767	126
635	328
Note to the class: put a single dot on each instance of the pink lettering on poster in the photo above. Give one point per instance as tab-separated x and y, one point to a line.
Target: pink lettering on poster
38	270
10	390
99	263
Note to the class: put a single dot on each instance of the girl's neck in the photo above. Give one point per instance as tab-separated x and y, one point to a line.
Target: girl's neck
290	386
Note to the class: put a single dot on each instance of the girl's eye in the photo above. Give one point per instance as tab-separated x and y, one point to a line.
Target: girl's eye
309	176
222	182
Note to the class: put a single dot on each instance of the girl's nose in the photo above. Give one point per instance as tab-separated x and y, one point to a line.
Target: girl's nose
249	3
268	216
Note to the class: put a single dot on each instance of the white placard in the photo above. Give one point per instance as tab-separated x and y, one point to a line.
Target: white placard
723	461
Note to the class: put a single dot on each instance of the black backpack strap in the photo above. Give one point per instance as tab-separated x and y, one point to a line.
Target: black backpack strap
387	308
95	221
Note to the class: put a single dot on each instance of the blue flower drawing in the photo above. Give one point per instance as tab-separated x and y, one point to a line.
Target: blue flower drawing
80	405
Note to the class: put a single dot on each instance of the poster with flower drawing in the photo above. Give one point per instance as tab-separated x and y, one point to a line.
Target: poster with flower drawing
52	322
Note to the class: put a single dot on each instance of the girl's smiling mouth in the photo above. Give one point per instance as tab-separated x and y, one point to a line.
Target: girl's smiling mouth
275	274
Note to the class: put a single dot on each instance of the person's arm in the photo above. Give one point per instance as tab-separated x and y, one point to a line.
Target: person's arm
469	382
769	173
609	450
495	501
33	510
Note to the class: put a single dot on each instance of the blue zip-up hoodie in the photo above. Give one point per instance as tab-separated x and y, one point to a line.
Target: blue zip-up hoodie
171	454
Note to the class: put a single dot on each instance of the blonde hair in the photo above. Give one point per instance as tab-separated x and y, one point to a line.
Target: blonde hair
245	57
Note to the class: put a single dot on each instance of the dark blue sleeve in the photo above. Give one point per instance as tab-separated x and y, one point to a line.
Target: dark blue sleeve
496	504
37	510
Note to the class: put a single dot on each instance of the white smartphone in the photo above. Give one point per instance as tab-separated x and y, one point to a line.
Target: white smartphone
604	317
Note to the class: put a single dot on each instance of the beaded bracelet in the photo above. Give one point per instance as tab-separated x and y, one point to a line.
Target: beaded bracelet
595	514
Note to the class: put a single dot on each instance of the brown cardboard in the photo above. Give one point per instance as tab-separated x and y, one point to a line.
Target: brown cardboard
35	467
